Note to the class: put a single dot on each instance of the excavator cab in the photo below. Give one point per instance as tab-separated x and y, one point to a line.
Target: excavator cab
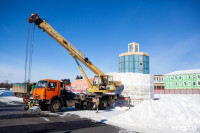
102	83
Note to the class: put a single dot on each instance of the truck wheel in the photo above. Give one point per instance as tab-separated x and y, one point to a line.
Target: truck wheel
91	106
79	105
55	106
44	108
103	104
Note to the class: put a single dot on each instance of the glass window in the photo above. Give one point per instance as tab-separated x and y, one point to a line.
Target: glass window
189	76
52	85
179	77
131	58
131	64
171	83
176	83
189	83
198	83
194	83
193	76
41	84
126	65
126	58
180	83
95	81
198	76
175	77
167	78
184	83
184	76
122	58
167	83
171	77
110	80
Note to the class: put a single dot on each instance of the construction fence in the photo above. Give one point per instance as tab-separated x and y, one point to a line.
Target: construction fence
176	91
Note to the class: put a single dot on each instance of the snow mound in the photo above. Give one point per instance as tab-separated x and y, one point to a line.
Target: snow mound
11	100
169	113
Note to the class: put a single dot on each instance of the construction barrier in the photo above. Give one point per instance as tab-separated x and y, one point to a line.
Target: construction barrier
176	91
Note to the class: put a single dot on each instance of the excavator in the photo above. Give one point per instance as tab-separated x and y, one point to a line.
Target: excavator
100	94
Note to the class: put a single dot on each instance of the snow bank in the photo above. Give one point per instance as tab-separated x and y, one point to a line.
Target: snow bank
135	85
11	100
169	113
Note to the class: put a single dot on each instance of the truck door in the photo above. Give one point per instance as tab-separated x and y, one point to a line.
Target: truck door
52	90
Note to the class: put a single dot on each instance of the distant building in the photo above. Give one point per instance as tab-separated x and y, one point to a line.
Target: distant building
80	85
186	79
134	61
158	82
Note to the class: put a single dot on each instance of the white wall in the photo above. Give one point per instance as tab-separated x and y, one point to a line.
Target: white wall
135	85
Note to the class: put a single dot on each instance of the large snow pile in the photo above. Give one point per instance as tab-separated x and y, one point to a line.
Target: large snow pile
167	113
135	85
8	98
171	113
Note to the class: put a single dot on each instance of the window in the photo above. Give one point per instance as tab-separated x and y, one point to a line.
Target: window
180	83
171	83
176	83
157	78
52	85
171	77
167	78
198	76
194	83
184	76
175	77
184	83
167	83
198	82
179	77
154	78
193	76
189	76
41	84
189	83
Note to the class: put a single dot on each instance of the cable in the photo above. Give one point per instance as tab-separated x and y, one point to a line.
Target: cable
27	41
31	52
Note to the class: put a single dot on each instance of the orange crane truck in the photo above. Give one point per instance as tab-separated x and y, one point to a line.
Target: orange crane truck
48	93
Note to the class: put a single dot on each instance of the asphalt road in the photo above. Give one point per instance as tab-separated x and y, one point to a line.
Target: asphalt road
14	119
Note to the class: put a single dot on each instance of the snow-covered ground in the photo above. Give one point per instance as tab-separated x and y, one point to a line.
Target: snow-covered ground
168	113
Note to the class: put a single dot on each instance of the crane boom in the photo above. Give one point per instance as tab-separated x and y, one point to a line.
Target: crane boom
61	40
102	83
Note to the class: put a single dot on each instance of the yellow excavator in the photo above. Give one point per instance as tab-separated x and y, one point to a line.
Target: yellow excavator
102	83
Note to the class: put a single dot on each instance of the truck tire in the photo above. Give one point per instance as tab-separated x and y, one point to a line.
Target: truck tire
79	105
103	104
44	108
91	106
55	106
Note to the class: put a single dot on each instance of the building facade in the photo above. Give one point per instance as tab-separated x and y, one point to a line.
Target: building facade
134	60
158	82
187	79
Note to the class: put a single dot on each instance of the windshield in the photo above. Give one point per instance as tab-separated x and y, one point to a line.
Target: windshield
41	84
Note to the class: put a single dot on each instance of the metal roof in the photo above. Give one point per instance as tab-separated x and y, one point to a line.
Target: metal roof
193	71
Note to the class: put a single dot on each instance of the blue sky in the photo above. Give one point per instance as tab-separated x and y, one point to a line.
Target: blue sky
168	30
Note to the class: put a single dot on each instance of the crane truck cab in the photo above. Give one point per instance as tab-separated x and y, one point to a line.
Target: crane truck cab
50	94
